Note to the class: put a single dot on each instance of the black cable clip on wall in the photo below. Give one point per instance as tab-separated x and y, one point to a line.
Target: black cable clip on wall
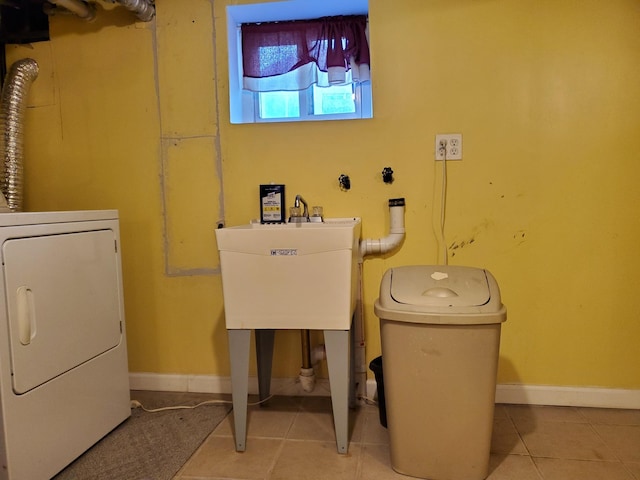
387	175
345	182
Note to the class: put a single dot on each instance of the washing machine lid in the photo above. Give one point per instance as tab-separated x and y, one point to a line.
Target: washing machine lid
439	286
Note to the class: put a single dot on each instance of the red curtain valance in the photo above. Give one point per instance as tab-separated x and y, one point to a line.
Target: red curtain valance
276	48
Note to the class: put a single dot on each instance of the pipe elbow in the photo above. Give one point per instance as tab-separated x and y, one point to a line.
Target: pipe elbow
391	241
371	246
82	9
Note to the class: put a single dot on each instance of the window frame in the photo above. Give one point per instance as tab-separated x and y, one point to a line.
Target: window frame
241	102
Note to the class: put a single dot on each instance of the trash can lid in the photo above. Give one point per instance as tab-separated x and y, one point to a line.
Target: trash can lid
440	285
411	292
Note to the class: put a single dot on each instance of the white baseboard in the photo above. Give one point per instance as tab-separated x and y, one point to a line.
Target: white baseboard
515	394
558	396
215	384
568	396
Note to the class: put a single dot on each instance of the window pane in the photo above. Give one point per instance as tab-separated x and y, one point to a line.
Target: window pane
279	104
333	99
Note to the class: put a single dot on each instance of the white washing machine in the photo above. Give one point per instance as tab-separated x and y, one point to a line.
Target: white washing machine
63	360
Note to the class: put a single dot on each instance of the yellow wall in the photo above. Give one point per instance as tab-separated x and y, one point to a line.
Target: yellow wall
546	94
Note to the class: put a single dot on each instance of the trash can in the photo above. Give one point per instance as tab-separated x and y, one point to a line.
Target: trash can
376	367
440	331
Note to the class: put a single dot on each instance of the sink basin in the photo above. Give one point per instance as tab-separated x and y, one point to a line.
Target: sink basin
290	276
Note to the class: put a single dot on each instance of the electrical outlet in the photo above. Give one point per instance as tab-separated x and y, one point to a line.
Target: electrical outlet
449	143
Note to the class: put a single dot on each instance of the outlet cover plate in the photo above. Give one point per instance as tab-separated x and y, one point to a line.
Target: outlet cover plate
453	146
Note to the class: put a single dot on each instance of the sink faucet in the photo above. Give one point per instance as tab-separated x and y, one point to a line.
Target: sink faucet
296	204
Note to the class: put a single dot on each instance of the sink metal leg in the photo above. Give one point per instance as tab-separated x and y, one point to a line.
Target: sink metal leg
337	346
264	355
239	342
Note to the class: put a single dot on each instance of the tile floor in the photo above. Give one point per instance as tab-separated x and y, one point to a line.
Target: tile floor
293	439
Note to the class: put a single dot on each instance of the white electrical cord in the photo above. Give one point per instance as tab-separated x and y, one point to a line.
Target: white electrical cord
367	400
137	404
443	205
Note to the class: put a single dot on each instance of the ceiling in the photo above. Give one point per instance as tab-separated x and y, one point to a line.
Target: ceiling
23	21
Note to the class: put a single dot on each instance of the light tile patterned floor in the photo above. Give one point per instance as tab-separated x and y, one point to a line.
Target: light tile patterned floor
293	438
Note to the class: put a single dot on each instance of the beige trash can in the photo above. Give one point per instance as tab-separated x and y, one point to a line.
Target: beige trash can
440	329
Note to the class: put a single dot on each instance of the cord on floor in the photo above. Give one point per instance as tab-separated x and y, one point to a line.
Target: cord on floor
367	400
137	404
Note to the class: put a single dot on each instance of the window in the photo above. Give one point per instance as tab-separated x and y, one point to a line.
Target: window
317	90
336	102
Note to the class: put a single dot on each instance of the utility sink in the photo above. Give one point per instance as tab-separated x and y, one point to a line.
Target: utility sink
290	276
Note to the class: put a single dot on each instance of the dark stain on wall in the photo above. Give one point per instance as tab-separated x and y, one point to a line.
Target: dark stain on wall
459	245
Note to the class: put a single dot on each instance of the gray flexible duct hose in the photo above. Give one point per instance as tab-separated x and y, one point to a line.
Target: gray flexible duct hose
144	9
13	104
